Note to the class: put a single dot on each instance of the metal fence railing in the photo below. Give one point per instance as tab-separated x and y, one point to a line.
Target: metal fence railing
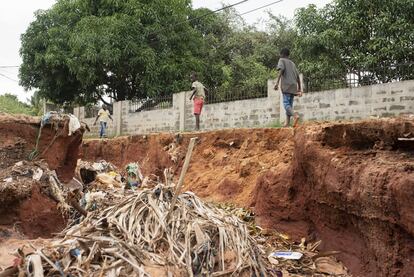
212	97
360	77
148	104
217	96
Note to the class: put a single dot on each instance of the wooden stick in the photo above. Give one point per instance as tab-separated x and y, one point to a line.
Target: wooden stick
75	204
183	172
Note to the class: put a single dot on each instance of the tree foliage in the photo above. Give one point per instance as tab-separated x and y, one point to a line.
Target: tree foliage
81	50
9	103
78	51
364	38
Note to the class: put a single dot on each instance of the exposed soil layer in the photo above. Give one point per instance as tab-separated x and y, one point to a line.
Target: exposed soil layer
34	216
18	138
40	216
349	184
23	207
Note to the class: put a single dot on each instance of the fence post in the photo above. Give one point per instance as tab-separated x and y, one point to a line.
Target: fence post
302	82
179	102
44	105
76	112
274	97
81	113
118	117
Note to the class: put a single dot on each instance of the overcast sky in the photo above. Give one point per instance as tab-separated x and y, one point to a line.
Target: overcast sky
16	15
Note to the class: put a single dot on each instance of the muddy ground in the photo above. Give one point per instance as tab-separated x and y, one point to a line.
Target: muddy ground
349	184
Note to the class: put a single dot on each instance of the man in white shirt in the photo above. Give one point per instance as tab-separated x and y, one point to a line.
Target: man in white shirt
103	115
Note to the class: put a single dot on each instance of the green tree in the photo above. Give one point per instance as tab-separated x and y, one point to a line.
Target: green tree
359	38
36	103
9	103
234	64
79	51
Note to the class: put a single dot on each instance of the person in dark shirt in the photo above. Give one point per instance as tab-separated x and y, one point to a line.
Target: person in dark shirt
290	84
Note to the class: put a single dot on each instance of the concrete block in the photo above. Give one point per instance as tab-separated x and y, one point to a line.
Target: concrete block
406	98
378	109
371	101
342	93
397	108
390	99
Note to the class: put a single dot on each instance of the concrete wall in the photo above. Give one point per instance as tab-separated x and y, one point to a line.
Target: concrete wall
258	112
148	122
354	103
382	100
111	130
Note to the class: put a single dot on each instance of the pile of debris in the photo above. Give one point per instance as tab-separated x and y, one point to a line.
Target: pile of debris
144	233
141	234
17	181
124	224
284	257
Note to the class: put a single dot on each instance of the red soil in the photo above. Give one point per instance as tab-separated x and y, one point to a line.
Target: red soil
39	216
31	212
349	184
18	138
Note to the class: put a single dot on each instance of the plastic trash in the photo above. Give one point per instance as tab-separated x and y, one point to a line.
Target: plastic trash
134	175
288	255
75	252
37	174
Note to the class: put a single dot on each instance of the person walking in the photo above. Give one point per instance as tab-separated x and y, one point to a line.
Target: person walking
290	84
103	115
198	95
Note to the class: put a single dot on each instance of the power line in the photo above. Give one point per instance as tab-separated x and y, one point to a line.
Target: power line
9	66
7	77
262	7
7	71
218	10
203	15
212	12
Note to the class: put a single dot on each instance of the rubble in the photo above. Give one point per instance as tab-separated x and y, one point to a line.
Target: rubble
275	247
126	232
113	230
17	181
133	234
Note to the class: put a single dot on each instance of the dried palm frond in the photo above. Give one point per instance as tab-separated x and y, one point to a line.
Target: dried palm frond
135	234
